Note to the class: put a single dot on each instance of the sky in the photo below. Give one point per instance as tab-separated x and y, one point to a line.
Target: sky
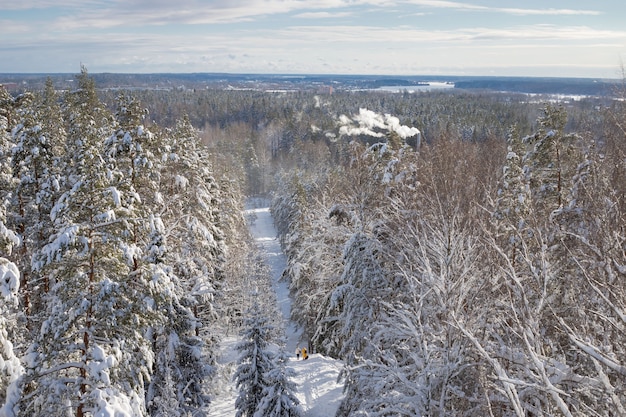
557	38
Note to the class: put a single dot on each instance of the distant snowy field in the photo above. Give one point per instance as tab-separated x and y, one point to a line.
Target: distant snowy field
318	389
432	85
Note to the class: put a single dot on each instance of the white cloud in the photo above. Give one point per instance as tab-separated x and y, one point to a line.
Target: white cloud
46	4
405	35
10	26
113	15
507	10
107	13
214	35
549	12
104	14
322	15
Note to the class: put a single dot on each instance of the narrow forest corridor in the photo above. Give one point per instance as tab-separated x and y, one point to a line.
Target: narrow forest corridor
318	390
264	233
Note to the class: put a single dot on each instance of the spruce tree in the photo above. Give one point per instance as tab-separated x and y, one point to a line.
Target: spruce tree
255	362
279	399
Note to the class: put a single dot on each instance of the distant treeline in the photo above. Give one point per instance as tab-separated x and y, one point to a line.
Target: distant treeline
568	86
17	83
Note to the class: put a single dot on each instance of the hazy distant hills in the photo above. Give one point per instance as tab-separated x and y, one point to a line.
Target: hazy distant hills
567	86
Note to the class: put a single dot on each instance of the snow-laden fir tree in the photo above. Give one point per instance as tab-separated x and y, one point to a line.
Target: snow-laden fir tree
254	363
279	399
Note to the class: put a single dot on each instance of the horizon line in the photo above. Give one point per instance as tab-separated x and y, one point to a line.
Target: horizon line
304	75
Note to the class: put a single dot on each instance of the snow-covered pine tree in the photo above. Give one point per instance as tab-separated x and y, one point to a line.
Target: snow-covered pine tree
289	209
190	211
91	352
312	237
551	161
11	369
253	169
279	399
240	259
556	166
51	117
429	268
537	289
360	299
8	105
178	372
8	237
596	326
36	173
512	205
136	152
176	383
590	238
314	271
254	363
129	151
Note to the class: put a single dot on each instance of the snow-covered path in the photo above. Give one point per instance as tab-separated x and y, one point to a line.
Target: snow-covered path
318	389
264	233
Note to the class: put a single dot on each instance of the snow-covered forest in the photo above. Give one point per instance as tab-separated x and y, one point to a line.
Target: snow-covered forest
460	254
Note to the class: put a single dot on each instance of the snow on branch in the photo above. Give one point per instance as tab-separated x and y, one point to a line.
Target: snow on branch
9	235
592	351
508	383
53	250
117	196
9	279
